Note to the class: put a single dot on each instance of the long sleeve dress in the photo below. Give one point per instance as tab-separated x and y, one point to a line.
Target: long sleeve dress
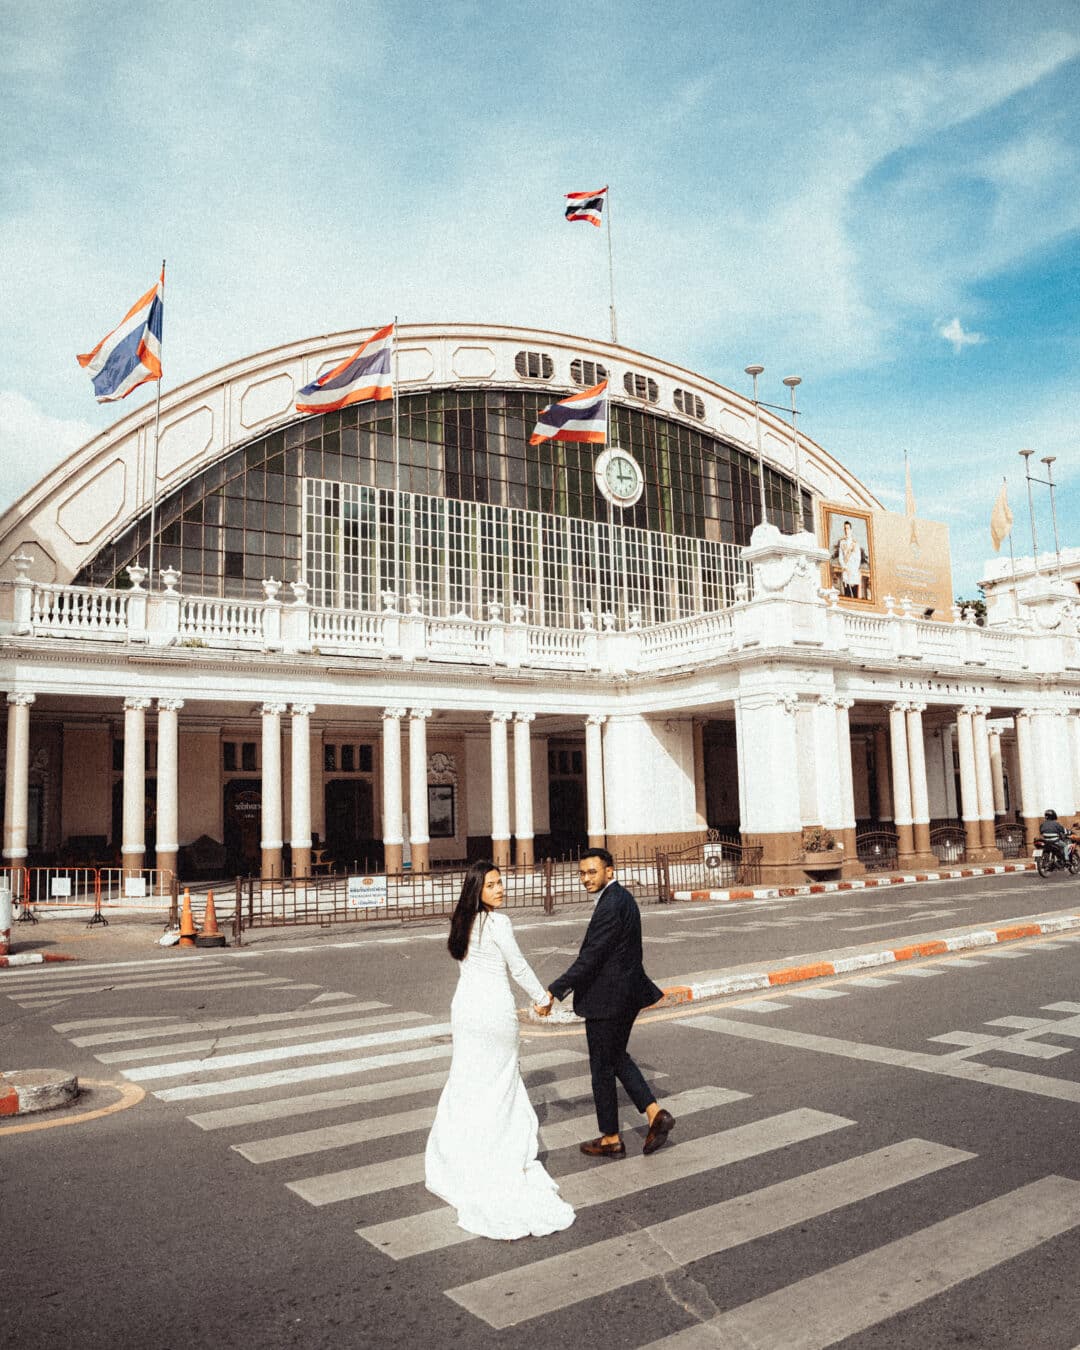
481	1153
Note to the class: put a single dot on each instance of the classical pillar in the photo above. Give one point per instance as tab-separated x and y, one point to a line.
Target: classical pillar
881	774
1063	745
523	798
594	781
500	791
1074	754
901	777
769	782
133	846
17	779
419	839
168	822
392	808
300	804
920	800
273	834
997	771
969	790
825	765
984	780
846	785
1030	810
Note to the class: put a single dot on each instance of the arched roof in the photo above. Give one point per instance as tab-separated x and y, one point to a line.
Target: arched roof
106	484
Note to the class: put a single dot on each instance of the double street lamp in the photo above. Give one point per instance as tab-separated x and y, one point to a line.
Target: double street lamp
792	382
1048	460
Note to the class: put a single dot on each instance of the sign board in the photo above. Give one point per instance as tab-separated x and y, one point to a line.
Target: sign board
874	554
365	892
59	886
134	887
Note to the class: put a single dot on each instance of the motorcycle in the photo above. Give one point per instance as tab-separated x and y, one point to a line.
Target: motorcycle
1048	860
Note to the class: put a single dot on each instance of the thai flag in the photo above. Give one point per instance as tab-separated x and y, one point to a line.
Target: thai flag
131	354
585	206
581	417
364	375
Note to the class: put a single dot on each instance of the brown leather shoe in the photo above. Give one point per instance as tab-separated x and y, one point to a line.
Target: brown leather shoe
662	1124
596	1148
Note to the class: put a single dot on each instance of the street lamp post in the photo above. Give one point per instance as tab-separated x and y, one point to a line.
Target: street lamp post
1026	456
754	372
1048	460
792	382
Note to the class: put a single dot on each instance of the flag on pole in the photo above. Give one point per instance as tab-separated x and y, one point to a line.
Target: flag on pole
359	378
585	206
131	354
1001	519
581	417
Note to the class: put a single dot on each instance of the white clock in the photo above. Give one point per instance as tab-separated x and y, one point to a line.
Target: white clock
619	477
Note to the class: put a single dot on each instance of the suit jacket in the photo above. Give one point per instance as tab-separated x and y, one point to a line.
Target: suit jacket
608	978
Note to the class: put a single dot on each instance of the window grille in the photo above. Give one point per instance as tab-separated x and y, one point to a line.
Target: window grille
534	365
641	386
690	403
587	373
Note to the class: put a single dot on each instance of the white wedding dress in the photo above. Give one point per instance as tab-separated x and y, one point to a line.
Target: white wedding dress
481	1153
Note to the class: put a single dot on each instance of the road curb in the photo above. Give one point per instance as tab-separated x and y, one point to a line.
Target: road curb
856	884
34	958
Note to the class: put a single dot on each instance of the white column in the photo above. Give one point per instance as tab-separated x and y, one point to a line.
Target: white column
168	823
984	781
523	799
901	777
969	783
392	809
273	833
765	727
825	766
845	778
133	847
594	780
920	800
500	791
17	779
300	802
997	770
1063	745
419	840
1074	754
1030	809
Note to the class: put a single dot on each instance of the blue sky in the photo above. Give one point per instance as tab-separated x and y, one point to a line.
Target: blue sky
883	199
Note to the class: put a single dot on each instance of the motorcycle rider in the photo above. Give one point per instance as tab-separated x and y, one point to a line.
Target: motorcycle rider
1054	835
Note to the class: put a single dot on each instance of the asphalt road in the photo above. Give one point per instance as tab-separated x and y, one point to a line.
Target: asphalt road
883	1160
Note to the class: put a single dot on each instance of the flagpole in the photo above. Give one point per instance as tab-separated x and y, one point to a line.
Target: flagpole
611	271
1012	555
157	426
397	464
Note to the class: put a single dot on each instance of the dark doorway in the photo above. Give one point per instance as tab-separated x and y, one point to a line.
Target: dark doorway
350	823
243	826
566	800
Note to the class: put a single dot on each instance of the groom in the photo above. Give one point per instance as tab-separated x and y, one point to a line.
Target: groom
610	989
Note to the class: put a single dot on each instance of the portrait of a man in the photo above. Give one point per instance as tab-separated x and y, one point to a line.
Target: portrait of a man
849	556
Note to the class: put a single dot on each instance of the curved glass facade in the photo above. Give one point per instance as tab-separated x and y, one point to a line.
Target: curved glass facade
242	519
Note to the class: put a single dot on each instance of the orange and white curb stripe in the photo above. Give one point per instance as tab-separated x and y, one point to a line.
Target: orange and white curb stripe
771	979
856	884
33	958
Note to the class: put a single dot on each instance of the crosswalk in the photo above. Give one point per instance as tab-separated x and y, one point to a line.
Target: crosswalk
335	1098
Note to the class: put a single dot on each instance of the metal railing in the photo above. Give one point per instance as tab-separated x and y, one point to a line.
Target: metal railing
877	850
716	862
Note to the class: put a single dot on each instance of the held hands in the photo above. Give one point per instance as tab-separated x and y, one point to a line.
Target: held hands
544	1009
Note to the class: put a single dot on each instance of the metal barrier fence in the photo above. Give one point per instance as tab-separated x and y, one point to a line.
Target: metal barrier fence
33	888
714	863
877	850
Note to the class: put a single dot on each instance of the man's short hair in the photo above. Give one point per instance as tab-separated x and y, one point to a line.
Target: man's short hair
601	853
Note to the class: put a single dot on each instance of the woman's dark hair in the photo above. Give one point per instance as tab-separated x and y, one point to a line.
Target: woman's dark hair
468	906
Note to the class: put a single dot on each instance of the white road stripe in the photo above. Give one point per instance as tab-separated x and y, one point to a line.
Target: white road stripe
182	1068
278	1034
436	1228
763	1005
870	982
64	1027
553	1135
978	1042
285	1107
306	1073
821	1310
61	973
181	979
174	1028
815	993
558	1282
253	981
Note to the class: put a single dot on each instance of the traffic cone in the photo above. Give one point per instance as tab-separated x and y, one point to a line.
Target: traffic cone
187	922
210	935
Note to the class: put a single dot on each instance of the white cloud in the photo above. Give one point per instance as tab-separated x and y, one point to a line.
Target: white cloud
32	442
953	332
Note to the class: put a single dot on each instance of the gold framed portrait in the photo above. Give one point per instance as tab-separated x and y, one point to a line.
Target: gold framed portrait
849	538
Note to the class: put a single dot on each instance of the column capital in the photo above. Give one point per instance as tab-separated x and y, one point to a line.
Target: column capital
900	706
170	704
595	719
969	709
136	704
21	700
419	714
787	702
844	704
1025	712
274	709
524	718
394	714
916	707
495	717
302	709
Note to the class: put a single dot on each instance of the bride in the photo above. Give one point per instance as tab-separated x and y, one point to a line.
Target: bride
481	1153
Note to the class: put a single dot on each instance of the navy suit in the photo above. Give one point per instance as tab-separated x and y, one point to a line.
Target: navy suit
610	989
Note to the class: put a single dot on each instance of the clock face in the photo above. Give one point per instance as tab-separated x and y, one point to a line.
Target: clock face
619	477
